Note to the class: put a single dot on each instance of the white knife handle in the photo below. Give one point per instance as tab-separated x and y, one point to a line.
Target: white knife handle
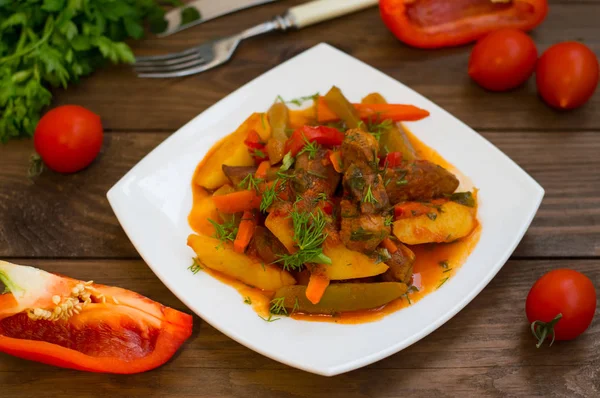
322	10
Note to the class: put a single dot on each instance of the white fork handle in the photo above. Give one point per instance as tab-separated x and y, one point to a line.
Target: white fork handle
322	10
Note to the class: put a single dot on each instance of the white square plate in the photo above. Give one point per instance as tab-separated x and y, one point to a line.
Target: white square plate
153	199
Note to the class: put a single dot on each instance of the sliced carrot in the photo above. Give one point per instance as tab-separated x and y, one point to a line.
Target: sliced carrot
245	232
336	160
263	167
395	112
389	245
317	284
236	202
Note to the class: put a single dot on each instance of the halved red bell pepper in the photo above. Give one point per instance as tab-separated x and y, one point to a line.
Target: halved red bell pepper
82	325
323	135
442	23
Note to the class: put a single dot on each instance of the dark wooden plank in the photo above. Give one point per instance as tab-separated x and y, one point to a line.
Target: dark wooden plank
486	350
69	216
126	102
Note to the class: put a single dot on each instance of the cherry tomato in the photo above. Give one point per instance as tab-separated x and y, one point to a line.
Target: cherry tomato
567	75
503	60
68	138
561	305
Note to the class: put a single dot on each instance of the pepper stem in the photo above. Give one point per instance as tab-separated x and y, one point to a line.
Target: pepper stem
541	330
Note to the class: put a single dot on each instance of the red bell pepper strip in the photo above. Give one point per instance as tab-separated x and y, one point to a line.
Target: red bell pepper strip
327	136
237	202
393	159
253	140
394	112
442	23
80	325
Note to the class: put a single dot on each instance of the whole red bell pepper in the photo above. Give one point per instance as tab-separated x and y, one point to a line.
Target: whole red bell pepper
323	135
82	325
442	23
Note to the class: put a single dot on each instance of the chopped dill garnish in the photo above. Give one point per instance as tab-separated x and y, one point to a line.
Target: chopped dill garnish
287	162
401	182
226	231
196	266
298	101
463	198
277	306
309	236
442	282
309	147
269	319
407	298
250	182
448	270
296	305
314	173
322	196
268	196
432	216
378	128
389	220
262	264
259	154
444	264
369	198
247	300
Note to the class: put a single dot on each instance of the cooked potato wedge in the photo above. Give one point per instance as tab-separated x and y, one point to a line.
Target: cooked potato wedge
454	221
204	209
250	270
231	151
349	264
280	225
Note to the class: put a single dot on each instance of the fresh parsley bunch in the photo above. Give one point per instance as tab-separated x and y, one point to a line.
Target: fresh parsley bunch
50	43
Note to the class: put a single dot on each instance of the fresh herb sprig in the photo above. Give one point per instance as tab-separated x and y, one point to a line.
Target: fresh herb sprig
300	100
53	43
277	306
225	232
369	197
309	235
196	266
311	148
250	182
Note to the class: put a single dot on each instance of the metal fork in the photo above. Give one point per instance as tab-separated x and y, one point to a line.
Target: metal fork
214	53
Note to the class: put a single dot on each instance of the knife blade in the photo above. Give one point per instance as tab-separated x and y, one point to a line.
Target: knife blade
199	11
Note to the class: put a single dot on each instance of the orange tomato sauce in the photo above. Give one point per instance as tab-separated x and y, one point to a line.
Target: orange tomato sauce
435	263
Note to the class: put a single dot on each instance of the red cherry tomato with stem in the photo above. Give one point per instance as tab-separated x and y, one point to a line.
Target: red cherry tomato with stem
567	75
503	60
560	305
68	138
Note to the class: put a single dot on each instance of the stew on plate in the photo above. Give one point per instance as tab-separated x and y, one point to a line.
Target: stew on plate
333	212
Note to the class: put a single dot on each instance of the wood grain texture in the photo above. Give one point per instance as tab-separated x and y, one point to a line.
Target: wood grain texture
486	350
126	102
69	216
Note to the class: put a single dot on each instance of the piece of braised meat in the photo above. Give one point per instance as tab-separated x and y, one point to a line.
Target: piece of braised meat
361	232
419	180
401	265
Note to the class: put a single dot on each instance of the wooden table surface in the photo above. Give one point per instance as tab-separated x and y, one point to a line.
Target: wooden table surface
64	223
